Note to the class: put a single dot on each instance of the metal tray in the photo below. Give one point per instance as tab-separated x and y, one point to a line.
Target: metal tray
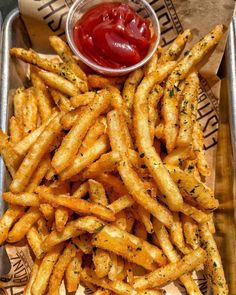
13	74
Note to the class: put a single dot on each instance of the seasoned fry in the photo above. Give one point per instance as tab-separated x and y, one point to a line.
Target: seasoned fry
8	219
151	65
22	226
177	156
133	183
40	283
116	272
171	271
213	264
83	160
140	230
172	52
61	101
60	268
194	188
97	192
34	155
30	111
102	262
42	228
189	95
19	101
139	251
82	99
61	218
23	199
27	289
96	81
173	256
84	243
191	231
102	292
141	127
35	242
81	191
72	141
69	119
145	217
121	203
47	211
16	131
72	273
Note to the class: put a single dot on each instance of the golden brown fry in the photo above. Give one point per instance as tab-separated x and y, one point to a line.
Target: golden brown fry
106	163
44	100
213	264
191	232
121	203
160	131
194	188
69	119
61	101
60	268
140	230
189	95
96	81
113	182
42	228
81	191
72	141
144	143
198	51
23	225
84	243
128	246
173	256
35	155
61	218
27	289
82	99
145	218
47	211
151	65
40	283
24	199
63	50
171	271
153	100
35	242
101	291
8	219
133	183
102	262
18	102
83	160
172	52
77	205
177	156
117	270
97	192
15	130
72	273
30	111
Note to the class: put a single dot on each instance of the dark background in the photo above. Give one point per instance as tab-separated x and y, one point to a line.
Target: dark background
6	6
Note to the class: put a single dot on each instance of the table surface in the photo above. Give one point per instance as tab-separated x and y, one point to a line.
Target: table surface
6	6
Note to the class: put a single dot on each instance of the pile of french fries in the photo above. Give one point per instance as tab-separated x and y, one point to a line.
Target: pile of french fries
107	174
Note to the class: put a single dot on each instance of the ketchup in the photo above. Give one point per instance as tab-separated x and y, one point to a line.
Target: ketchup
113	35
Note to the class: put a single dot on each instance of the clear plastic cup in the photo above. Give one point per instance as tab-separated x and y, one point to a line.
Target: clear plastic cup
80	7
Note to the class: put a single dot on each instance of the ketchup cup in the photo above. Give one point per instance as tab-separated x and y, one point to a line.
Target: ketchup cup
141	7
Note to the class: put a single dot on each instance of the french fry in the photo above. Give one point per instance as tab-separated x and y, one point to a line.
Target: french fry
30	111
194	188
189	95
55	238
18	102
121	203
97	192
116	272
173	256
106	163
43	98
113	182
15	130
198	51
58	69
191	231
82	99
61	218
121	221
34	156
198	148
115	240
61	101
72	141
57	82
35	242
84	243
140	230
72	273
177	236
74	203
171	271
22	226
81	191
60	268
42	228
172	52
47	211
214	266
177	156
40	283
69	119
144	217
141	127
63	50
99	82
151	65
82	160
39	174
102	262
8	219
133	183
27	289
191	168
153	100
23	199
101	291
160	131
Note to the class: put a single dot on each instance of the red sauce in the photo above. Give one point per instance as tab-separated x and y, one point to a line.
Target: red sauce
113	35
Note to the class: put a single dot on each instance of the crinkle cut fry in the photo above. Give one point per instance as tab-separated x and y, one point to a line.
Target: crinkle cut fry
129	176
143	138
